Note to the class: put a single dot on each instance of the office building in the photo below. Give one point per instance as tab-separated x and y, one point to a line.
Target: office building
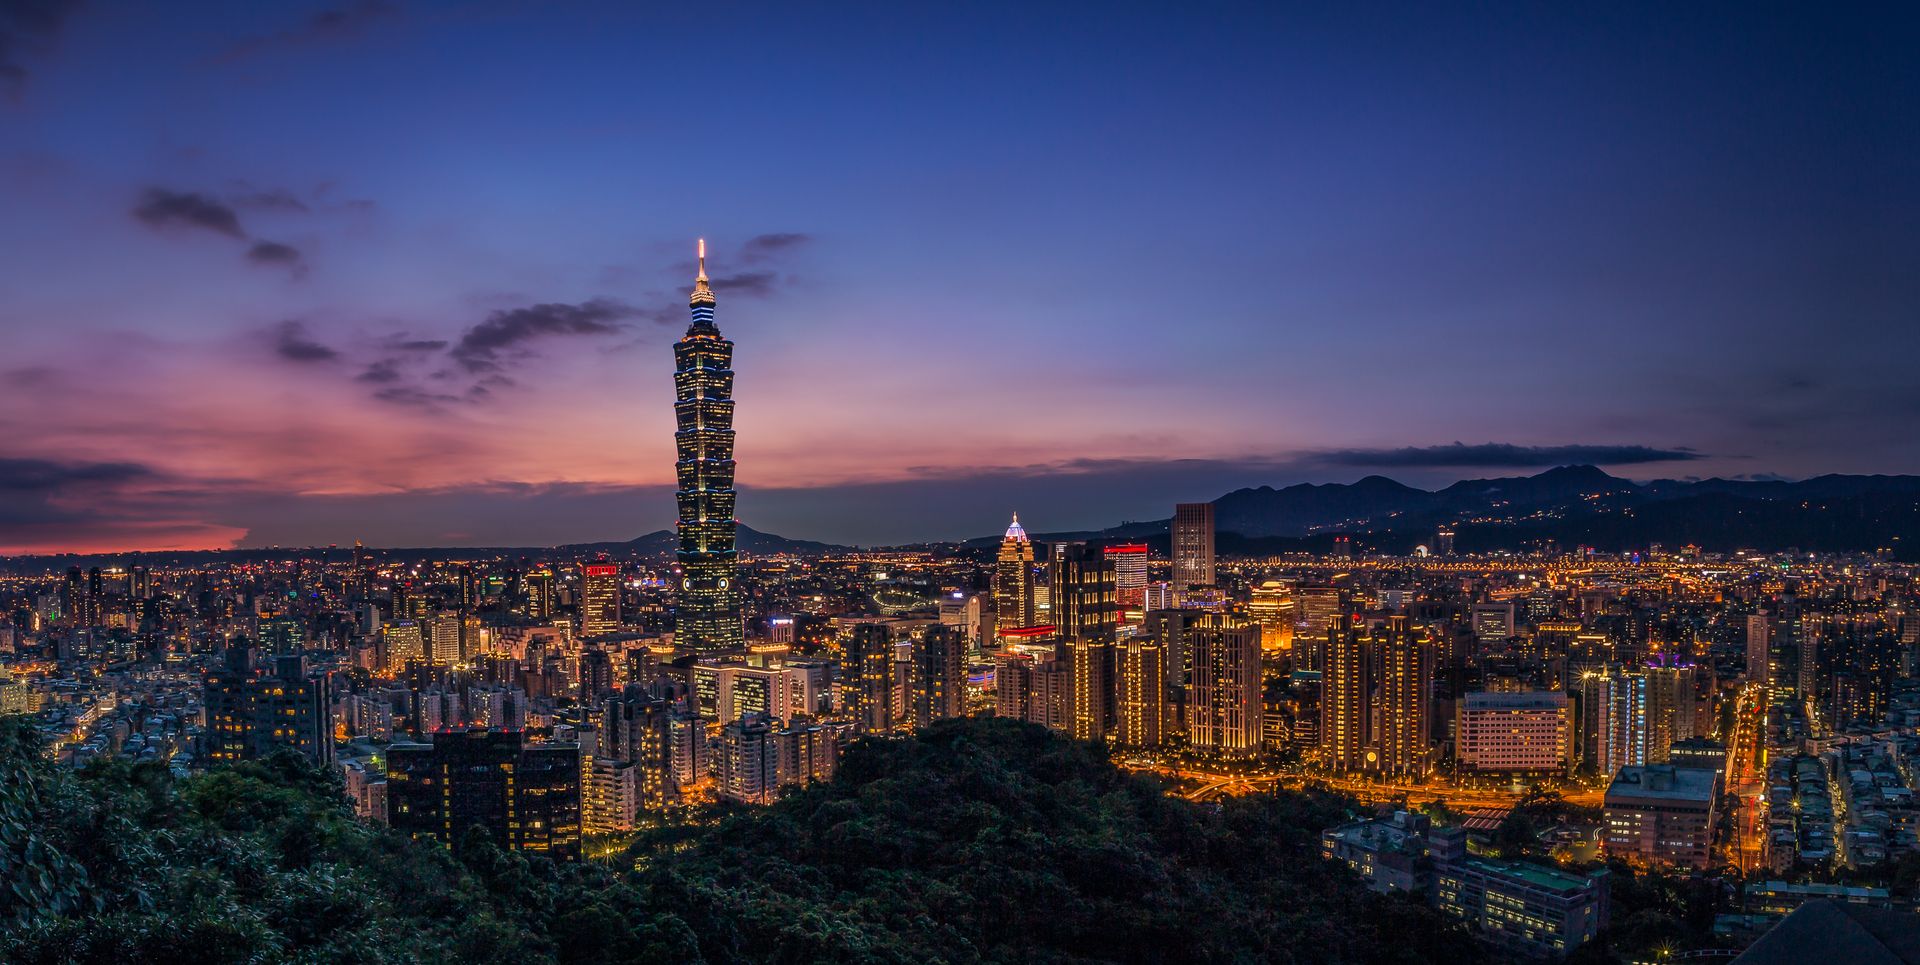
1013	599
1527	731
1193	545
1315	609
1660	814
1271	604
599	599
1129	574
1535	911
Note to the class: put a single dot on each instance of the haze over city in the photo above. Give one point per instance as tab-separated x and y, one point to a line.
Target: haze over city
283	274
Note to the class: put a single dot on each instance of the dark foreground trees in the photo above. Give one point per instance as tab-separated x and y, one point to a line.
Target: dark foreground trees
976	841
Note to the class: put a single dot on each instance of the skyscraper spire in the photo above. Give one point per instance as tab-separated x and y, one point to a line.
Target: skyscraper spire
702	295
707	607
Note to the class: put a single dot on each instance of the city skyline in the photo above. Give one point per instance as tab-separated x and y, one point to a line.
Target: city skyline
1131	266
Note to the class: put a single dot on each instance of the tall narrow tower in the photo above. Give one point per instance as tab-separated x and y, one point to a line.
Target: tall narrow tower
707	616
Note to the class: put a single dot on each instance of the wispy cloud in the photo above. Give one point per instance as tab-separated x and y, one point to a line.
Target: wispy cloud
484	347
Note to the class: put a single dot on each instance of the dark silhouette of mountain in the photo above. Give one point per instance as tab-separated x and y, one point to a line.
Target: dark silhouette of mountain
665	541
1570	506
1305	508
658	543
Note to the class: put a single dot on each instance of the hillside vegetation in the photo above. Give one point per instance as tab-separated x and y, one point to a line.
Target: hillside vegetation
976	841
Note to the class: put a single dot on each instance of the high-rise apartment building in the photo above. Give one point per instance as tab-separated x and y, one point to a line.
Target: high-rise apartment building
1315	609
1141	704
1376	696
1193	545
867	681
1223	706
1405	660
1671	708
1346	695
939	675
1759	647
707	613
1084	612
525	797
254	709
749	761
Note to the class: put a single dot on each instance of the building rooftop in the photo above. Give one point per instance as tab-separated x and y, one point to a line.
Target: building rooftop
1537	876
1822	930
1663	782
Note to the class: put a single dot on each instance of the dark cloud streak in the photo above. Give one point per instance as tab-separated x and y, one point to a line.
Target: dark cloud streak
273	254
1502	455
291	342
750	284
161	208
483	347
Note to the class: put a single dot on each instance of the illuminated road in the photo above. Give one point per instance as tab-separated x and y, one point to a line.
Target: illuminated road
1746	779
1213	786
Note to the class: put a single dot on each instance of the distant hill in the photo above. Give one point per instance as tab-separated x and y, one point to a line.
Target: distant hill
659	543
665	541
1567	505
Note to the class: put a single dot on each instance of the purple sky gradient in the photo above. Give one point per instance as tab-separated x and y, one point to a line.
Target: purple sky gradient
410	272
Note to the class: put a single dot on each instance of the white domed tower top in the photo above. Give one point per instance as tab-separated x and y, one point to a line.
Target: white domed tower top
1015	533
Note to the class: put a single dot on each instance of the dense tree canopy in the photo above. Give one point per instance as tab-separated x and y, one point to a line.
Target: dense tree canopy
977	841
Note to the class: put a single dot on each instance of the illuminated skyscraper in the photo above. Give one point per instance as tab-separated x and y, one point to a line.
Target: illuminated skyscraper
1142	697
939	675
1759	644
1013	580
1272	605
1193	545
867	679
1083	610
539	584
708	611
1223	687
1405	659
1129	574
599	598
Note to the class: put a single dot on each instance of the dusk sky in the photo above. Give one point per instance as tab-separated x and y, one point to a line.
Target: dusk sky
284	273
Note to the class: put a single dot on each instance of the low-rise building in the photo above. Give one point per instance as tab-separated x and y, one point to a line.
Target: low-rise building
1661	814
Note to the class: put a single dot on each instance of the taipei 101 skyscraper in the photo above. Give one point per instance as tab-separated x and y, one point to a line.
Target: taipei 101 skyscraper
707	616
